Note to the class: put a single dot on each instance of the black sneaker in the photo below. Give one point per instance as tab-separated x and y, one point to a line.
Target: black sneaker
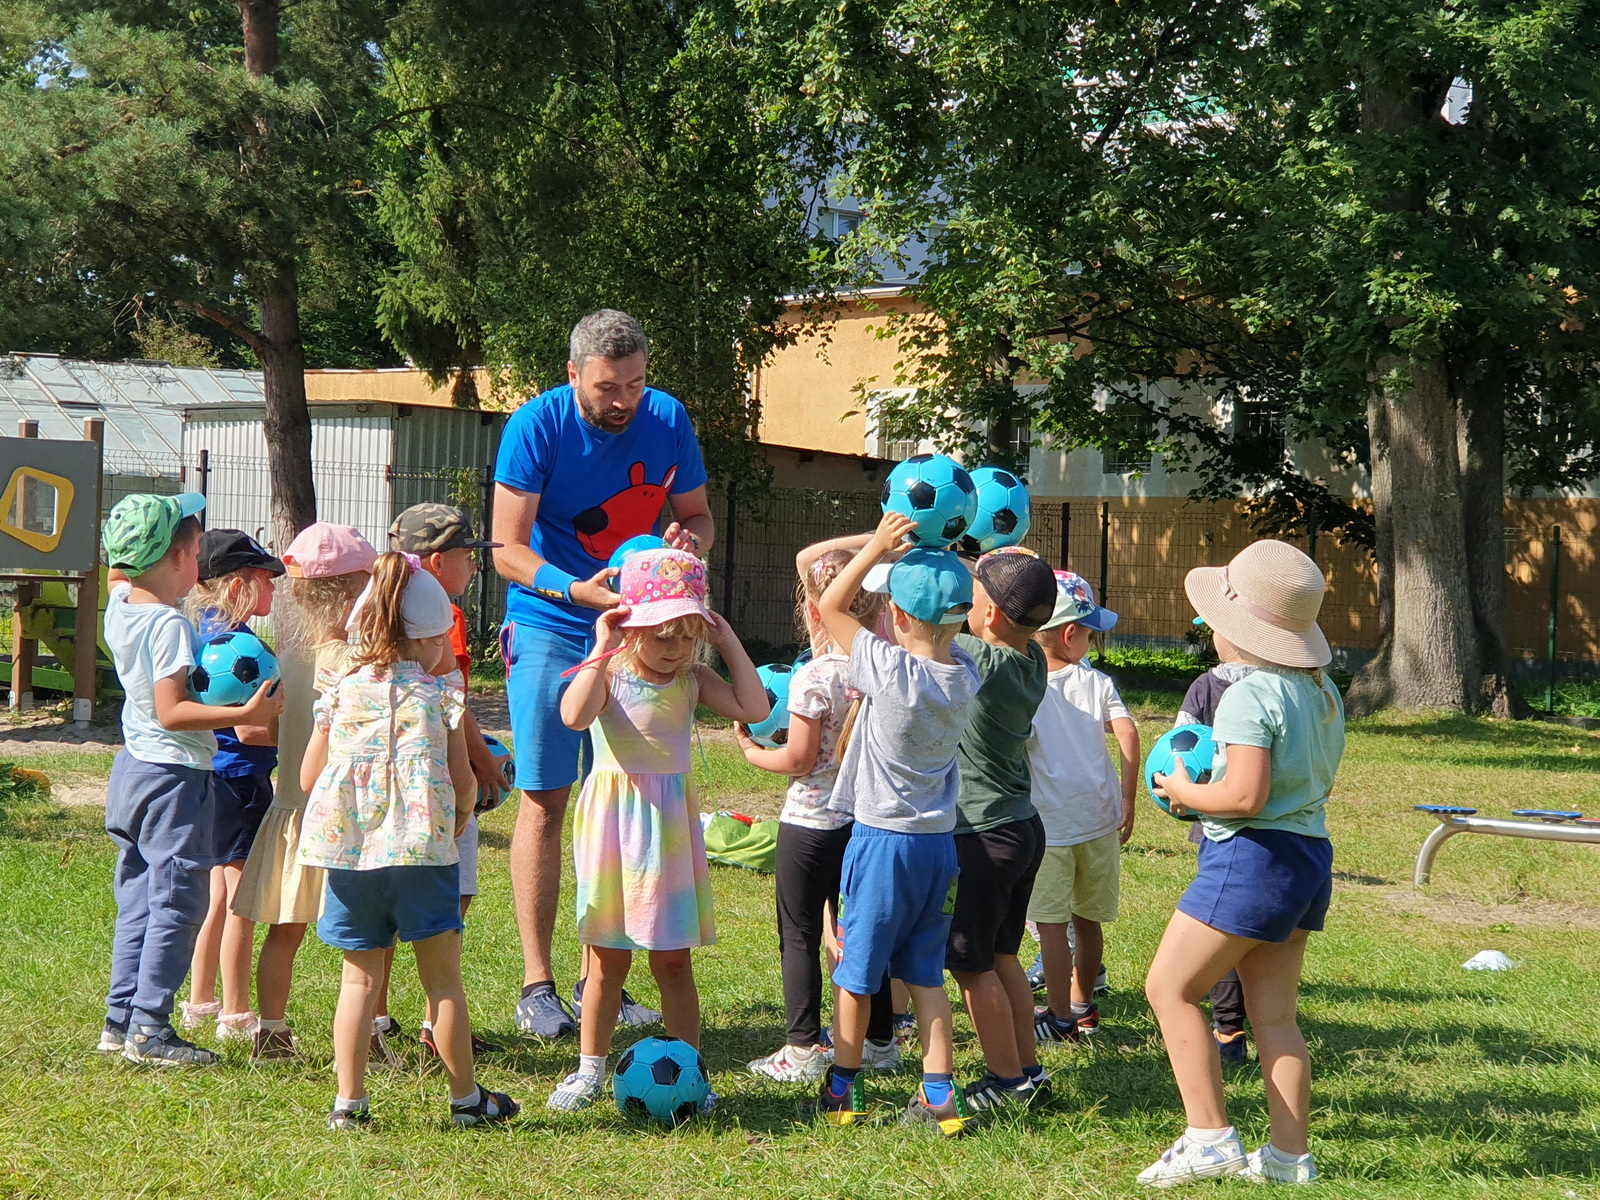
841	1110
112	1038
160	1046
487	1109
1047	1027
991	1093
949	1119
480	1044
349	1118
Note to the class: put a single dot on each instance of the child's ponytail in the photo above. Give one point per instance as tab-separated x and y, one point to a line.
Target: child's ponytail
866	607
380	627
1332	709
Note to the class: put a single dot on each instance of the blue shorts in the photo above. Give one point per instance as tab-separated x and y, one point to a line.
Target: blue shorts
239	802
896	894
1262	883
365	910
546	751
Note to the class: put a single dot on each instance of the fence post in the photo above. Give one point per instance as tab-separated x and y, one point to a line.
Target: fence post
205	474
1105	552
1555	600
1066	528
86	631
730	541
22	647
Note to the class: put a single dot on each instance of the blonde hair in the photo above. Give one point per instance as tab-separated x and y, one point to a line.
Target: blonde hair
691	625
229	595
381	628
308	612
866	607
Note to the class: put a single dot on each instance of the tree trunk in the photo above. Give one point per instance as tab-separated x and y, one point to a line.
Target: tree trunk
260	21
1429	659
1371	690
1483	486
288	422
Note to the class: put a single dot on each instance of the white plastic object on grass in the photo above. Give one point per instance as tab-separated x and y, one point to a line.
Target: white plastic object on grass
1488	960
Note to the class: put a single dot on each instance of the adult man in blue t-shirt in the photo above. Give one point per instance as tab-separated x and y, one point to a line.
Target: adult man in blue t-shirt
582	469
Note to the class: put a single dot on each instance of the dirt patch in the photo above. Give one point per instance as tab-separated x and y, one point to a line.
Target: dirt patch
78	795
1447	909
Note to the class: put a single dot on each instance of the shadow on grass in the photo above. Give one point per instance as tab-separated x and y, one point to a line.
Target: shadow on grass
44	821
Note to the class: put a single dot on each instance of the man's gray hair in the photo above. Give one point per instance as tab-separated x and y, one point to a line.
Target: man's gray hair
608	333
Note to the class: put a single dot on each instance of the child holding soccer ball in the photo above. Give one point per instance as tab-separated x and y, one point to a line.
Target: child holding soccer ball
1266	867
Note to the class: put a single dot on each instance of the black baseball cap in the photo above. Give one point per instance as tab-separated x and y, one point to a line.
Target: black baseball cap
1020	583
223	551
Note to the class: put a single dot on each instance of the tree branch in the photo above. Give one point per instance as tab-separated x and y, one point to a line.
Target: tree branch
217	316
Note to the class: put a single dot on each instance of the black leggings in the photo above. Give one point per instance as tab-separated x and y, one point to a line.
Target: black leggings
810	862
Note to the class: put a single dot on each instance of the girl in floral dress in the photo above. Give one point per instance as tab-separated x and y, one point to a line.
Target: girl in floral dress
643	883
391	789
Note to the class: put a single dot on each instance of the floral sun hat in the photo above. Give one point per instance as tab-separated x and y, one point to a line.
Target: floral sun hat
663	585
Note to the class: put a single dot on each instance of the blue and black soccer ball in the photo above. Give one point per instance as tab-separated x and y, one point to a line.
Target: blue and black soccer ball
490	798
662	1078
1199	753
937	493
774	731
231	667
1005	511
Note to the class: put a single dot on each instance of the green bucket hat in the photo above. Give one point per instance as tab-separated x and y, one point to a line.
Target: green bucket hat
141	526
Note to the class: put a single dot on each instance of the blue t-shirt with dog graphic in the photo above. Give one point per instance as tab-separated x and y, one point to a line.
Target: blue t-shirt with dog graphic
596	490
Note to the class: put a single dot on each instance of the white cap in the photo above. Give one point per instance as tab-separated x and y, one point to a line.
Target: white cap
425	607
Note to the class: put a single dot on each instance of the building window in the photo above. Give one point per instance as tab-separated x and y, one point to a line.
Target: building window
1129	453
838	223
1259	423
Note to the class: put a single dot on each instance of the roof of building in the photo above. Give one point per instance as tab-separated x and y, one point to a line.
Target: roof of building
143	402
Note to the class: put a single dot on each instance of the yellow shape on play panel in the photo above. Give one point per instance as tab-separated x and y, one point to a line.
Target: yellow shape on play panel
43	540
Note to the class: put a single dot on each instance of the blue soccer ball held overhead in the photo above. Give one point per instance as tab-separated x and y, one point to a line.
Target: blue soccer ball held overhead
774	731
1005	511
231	667
662	1078
1198	750
936	492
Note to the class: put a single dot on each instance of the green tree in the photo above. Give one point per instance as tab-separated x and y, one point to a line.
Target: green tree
544	162
205	158
1268	203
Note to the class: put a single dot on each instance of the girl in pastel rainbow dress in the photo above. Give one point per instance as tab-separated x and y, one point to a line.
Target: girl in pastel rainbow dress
642	878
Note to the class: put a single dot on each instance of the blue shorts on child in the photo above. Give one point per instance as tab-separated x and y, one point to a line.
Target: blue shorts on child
896	897
366	910
1262	883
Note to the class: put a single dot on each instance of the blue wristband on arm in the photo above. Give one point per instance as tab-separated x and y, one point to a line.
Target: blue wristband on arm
551	581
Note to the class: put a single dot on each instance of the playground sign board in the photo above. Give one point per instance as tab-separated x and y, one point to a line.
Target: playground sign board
49	504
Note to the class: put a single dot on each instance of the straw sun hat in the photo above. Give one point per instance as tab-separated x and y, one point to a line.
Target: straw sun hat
1265	602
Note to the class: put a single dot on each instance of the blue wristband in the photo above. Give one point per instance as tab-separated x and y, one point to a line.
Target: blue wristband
553	583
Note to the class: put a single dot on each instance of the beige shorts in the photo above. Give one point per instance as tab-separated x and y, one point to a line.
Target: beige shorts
1078	881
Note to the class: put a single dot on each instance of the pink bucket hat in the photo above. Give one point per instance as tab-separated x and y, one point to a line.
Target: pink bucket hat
323	549
663	585
1265	602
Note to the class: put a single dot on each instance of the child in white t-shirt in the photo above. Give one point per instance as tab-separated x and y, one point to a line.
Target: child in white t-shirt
1087	811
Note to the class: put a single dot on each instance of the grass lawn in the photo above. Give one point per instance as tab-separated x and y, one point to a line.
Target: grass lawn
1430	1080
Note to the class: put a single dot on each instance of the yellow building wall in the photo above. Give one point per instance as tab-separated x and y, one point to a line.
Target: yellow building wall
807	389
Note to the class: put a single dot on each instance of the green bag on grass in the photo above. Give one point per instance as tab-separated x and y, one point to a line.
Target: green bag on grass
734	844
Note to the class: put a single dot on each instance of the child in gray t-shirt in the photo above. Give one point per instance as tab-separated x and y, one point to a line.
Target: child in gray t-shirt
900	779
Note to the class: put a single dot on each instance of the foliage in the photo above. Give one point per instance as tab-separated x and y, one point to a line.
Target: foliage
20	785
544	161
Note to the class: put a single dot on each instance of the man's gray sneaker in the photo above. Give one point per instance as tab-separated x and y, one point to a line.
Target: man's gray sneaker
545	1015
160	1046
632	1013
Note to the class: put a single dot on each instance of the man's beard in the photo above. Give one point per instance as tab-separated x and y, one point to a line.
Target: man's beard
601	416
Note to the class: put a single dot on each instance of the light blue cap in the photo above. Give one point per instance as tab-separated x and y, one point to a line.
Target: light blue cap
930	585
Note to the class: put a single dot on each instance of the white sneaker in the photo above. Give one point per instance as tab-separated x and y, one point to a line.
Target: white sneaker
1195	1160
196	1015
880	1056
1262	1167
794	1064
577	1092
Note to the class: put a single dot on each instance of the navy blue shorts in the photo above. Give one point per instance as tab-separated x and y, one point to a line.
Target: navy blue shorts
545	750
238	804
1262	883
897	892
366	910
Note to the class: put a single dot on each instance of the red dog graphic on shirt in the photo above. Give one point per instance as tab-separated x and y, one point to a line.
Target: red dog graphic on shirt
630	512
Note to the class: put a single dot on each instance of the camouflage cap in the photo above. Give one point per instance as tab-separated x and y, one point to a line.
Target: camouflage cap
433	529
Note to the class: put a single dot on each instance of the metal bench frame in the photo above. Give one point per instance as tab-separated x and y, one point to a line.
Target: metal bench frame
1551	828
